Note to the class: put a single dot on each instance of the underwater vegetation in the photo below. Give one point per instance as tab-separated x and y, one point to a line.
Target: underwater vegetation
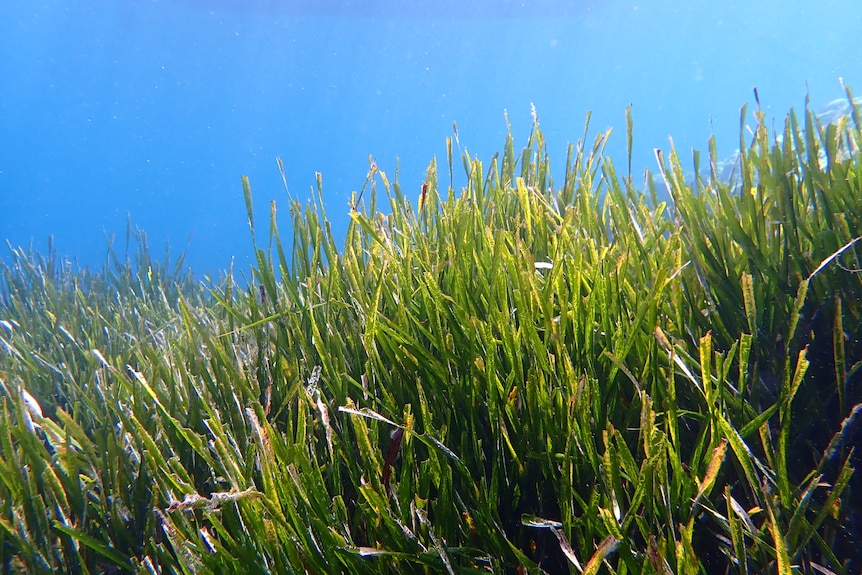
520	376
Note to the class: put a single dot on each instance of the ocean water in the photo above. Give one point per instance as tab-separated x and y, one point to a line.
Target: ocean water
153	109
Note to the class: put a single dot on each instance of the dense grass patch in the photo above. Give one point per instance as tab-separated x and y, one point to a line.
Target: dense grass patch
519	376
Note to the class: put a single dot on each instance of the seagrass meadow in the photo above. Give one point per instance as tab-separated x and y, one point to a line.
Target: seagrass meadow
520	376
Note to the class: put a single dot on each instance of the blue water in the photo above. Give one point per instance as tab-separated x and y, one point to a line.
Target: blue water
153	109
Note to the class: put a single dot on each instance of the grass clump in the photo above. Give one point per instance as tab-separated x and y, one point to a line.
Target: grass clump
517	376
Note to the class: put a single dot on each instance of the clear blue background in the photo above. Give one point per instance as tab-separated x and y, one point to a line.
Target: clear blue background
154	109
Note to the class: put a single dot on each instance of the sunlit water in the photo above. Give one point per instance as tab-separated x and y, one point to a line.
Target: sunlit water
153	109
